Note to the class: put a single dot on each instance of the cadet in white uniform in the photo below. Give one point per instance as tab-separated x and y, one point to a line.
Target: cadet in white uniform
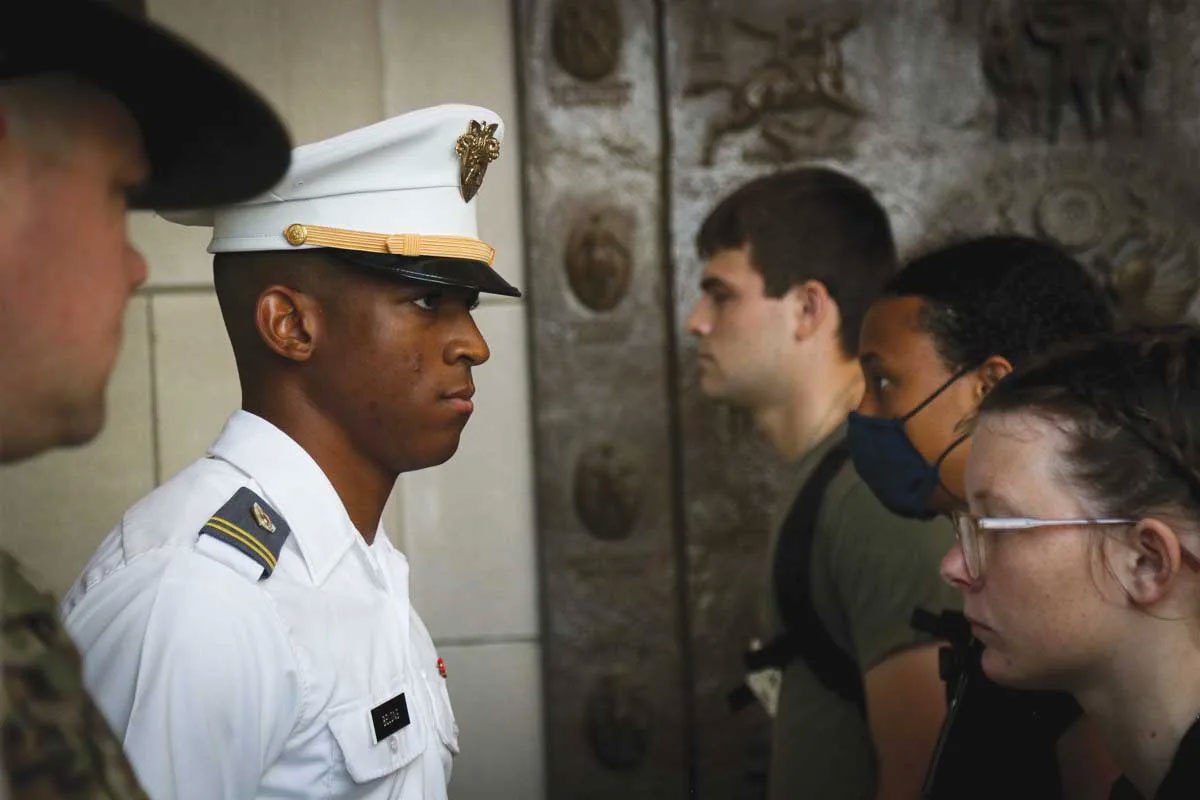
246	628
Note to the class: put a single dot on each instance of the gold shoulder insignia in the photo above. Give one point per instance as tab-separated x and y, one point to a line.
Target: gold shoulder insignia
249	524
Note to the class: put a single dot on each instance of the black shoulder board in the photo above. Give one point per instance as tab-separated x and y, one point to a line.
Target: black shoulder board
249	524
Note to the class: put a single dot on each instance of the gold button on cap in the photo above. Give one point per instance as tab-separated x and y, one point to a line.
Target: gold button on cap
296	234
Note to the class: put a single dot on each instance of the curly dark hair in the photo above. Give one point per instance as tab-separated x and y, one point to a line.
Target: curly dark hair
1011	296
1129	404
810	223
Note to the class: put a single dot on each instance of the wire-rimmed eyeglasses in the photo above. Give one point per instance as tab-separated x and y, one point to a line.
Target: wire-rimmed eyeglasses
968	527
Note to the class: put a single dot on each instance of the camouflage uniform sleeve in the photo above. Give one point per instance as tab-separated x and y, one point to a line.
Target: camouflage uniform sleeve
56	743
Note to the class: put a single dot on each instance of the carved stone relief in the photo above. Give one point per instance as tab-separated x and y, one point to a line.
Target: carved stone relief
585	40
607	490
796	97
1126	219
586	37
1040	57
654	503
618	724
598	259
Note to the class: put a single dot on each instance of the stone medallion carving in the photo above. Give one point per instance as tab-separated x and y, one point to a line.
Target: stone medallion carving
795	96
598	258
586	37
1072	214
607	491
618	722
1124	216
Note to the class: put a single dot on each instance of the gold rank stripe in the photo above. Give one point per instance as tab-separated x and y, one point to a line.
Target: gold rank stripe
228	528
398	244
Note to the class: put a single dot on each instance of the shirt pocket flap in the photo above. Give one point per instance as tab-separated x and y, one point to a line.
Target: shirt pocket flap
366	759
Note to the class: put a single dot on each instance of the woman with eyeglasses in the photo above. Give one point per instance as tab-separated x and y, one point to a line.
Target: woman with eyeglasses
946	330
1078	557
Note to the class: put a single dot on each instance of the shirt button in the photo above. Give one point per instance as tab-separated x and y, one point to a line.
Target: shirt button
393	744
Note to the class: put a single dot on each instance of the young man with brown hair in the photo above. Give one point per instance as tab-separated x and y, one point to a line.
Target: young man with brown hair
792	262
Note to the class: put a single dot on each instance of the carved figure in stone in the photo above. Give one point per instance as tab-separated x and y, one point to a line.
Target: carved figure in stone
797	95
607	491
1038	56
1006	67
598	259
1125	71
586	36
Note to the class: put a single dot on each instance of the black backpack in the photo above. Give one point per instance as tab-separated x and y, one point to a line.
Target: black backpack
804	635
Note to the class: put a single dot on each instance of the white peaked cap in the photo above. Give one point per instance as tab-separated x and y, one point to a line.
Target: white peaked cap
396	196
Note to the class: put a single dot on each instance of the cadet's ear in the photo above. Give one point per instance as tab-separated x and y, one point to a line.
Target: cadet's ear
989	373
289	322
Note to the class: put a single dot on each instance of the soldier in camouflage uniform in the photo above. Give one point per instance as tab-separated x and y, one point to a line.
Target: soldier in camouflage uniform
98	112
56	744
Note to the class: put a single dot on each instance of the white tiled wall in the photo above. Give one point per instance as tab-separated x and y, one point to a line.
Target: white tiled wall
496	703
467	527
195	379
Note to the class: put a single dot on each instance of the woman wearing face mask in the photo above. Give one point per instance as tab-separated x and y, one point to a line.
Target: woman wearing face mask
1078	560
947	328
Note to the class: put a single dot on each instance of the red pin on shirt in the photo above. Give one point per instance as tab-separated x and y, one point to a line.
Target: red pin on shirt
441	668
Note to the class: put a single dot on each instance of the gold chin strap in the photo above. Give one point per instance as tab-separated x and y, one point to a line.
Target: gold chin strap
398	244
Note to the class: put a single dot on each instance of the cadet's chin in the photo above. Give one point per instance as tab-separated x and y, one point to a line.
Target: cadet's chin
435	454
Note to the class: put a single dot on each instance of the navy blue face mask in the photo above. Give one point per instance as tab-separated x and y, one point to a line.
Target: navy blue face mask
890	465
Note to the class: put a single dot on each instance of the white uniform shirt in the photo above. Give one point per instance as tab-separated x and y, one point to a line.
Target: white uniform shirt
226	686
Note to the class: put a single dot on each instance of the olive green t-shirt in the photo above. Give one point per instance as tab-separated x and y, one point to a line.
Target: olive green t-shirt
870	569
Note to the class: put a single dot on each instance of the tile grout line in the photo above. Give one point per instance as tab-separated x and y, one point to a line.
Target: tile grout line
478	641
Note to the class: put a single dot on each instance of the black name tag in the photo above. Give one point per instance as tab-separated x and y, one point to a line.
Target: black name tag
389	717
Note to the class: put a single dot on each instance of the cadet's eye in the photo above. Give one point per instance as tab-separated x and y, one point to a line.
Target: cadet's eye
429	302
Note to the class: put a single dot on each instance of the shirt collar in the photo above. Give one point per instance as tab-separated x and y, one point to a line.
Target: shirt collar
294	484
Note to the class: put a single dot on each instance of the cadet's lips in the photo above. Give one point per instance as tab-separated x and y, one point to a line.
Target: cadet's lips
460	399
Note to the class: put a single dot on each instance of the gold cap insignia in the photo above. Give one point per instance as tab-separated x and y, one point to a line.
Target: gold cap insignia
262	519
476	148
296	234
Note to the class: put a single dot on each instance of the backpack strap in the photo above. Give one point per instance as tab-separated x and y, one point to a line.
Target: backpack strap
804	634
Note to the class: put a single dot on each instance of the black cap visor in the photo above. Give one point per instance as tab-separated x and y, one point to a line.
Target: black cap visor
210	139
461	272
